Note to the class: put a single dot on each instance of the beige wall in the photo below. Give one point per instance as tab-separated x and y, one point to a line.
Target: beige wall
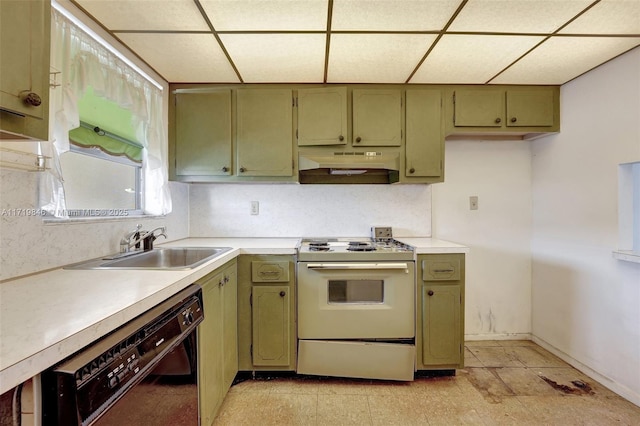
586	304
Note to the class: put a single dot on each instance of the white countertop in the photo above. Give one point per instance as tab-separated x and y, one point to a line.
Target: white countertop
46	317
424	245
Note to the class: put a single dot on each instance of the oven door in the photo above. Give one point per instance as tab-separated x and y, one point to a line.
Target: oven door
349	300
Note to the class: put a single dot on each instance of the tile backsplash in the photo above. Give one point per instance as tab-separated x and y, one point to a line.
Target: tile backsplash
290	210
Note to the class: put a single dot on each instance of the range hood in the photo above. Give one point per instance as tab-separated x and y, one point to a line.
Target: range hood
349	167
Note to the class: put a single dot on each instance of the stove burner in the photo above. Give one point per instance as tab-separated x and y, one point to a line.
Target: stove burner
318	243
360	246
319	248
358	243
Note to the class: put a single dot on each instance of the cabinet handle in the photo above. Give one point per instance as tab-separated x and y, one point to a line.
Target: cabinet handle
221	283
340	138
430	292
439	271
498	120
32	99
412	170
282	294
225	169
358	139
242	170
514	119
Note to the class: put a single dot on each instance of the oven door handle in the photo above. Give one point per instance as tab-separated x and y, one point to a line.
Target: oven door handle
349	265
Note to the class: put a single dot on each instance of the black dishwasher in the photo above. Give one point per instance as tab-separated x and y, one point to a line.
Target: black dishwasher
145	372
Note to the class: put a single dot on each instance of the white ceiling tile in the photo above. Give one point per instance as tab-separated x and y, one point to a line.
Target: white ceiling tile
608	17
277	15
465	59
375	58
183	58
277	58
390	15
560	59
170	15
517	16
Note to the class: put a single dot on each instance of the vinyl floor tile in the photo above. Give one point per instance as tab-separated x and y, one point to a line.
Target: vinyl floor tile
505	383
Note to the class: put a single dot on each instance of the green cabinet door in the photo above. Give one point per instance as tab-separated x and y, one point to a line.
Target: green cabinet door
322	116
441	342
534	107
377	117
264	132
424	151
230	324
271	325
203	133
478	108
210	350
24	54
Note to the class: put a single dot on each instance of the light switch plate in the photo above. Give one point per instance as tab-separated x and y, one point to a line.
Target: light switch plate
473	202
381	232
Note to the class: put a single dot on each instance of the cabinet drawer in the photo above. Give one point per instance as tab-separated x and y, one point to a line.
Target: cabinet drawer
269	272
441	269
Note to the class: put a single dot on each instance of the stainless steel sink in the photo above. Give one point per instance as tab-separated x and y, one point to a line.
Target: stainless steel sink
165	258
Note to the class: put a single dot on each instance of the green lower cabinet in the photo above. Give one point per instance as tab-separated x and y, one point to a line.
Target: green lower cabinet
217	340
440	324
271	318
266	313
440	319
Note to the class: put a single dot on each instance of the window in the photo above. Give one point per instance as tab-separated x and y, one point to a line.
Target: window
103	169
629	212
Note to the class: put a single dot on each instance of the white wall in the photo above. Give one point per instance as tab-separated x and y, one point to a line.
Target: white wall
586	305
29	245
223	210
498	278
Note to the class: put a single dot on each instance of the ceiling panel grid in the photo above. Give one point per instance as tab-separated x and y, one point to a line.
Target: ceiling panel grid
371	41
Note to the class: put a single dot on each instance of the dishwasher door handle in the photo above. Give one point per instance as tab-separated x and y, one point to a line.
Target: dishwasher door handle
365	266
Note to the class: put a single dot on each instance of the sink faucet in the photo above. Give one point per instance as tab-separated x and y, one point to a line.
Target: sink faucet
137	236
151	236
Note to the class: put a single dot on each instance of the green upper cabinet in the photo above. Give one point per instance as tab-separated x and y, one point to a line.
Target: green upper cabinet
528	111
264	132
203	133
424	151
322	116
478	108
24	78
532	107
377	117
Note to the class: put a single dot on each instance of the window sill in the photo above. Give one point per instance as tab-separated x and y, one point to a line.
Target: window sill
627	255
97	219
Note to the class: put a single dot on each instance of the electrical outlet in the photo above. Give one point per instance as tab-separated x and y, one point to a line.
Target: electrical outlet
255	207
473	202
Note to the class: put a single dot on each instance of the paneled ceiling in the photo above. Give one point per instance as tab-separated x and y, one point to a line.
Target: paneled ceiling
371	41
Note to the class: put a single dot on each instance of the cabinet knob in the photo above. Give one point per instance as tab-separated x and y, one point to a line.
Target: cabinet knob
430	292
242	170
412	170
225	169
282	294
358	139
340	138
32	99
498	120
514	119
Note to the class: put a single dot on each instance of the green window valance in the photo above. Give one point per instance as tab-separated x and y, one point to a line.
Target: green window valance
86	136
